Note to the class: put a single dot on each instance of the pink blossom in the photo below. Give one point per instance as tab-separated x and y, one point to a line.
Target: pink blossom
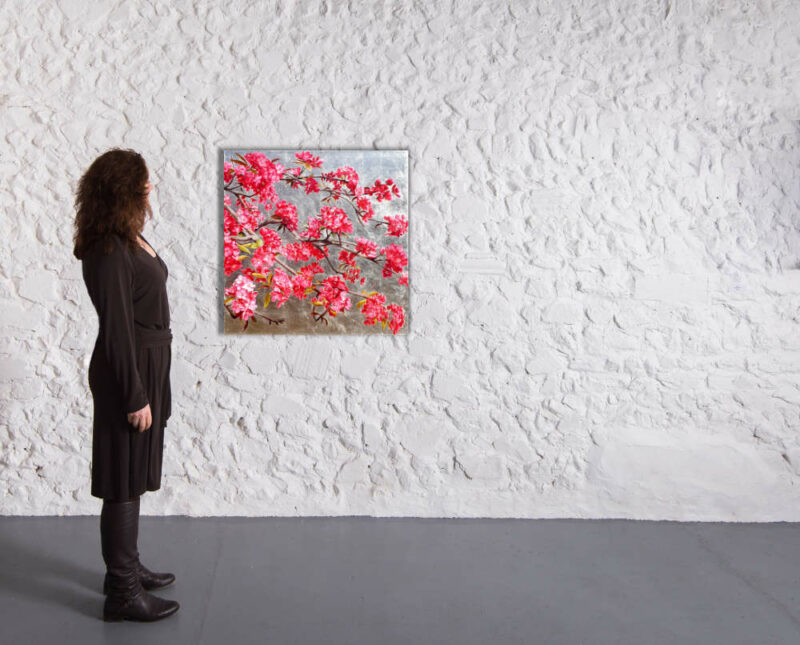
366	247
308	160
272	240
352	273
231	252
365	206
383	191
336	220
281	287
248	216
230	225
344	175
287	213
373	309
333	293
299	251
347	257
311	269
398	224
396	259
300	282
398	317
312	185
262	259
313	226
260	177
244	293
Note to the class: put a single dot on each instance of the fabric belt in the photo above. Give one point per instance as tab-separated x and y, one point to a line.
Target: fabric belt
152	337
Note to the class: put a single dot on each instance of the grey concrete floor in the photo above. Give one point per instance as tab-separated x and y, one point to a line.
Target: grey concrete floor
402	580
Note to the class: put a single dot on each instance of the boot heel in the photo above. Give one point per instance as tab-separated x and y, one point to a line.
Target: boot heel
112	618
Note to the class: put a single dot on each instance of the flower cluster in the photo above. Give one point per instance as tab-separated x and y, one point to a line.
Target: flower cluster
335	220
374	312
341	178
396	259
286	212
258	176
397	224
383	191
242	295
308	160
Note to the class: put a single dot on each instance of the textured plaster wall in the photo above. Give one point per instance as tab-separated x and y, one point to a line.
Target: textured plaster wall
604	254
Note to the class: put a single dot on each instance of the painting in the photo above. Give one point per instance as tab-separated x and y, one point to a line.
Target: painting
315	241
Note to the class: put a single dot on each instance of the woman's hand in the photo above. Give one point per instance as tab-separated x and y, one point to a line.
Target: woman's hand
141	419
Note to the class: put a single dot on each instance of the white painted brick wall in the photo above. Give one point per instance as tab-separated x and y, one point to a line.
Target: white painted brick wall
604	254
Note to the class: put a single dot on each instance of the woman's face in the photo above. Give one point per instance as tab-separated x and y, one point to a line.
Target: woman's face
147	188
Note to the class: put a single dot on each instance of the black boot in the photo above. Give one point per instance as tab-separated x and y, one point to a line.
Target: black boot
149	579
127	598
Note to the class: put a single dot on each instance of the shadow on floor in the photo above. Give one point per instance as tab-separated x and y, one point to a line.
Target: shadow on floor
49	576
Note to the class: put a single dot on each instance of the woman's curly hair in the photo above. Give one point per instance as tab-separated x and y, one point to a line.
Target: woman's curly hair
111	199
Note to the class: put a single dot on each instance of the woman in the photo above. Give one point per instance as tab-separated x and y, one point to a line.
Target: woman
128	372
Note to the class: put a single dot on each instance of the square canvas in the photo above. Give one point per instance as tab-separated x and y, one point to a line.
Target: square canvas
315	241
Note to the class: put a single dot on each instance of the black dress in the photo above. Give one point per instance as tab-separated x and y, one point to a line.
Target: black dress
129	368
